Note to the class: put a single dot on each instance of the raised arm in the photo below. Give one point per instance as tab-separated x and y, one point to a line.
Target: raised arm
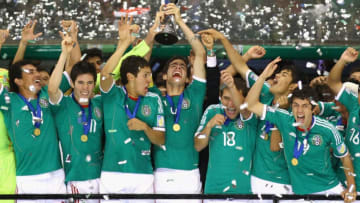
349	194
125	39
27	34
197	47
252	98
334	80
55	78
149	39
3	35
71	29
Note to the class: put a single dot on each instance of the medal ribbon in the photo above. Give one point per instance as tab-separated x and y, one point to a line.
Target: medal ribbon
178	108
36	112
130	114
298	150
86	122
268	127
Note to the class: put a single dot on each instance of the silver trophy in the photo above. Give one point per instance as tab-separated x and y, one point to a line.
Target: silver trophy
168	35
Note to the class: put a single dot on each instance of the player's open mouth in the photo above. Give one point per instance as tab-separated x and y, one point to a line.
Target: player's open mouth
177	74
300	118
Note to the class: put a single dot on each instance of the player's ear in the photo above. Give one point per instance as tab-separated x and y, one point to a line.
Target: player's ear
130	76
18	81
164	76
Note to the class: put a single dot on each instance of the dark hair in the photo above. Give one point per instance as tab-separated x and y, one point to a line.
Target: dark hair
354	70
15	71
82	67
289	65
43	69
188	70
305	93
132	64
92	53
324	93
239	84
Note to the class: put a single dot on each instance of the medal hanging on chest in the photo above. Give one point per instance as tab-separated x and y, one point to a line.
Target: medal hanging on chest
176	125
299	146
130	114
267	130
36	113
86	122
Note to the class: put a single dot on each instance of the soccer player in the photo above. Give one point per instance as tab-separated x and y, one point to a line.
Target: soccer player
32	131
82	135
133	120
7	158
269	173
307	139
230	134
177	160
350	100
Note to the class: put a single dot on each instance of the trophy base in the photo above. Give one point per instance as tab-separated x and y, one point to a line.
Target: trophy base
166	38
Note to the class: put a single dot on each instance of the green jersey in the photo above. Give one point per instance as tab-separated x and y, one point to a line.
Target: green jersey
231	148
352	139
313	172
179	151
126	150
268	165
82	158
328	112
34	154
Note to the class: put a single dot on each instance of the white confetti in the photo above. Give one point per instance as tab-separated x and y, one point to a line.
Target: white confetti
241	159
289	95
296	124
127	140
88	158
201	136
241	148
299	83
233	183
106	197
163	147
243	106
122	162
226	189
357	154
145	152
32	88
310	65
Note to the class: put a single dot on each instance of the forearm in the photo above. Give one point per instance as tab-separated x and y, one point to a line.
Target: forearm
334	79
155	136
113	60
252	98
20	51
75	53
55	78
349	171
194	42
235	58
201	140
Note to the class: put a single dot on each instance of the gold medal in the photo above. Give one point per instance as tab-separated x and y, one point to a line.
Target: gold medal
84	138
294	161
266	136
37	131
176	127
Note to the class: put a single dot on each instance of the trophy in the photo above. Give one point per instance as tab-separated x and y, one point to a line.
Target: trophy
168	35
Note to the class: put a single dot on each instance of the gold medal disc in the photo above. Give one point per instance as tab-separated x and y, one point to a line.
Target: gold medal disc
294	161
37	131
176	127
266	136
84	138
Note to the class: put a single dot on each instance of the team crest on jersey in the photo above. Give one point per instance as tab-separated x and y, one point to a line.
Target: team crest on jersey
44	103
185	103
317	140
341	148
97	112
239	124
146	110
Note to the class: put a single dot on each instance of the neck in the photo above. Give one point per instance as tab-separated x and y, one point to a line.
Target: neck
131	91
174	90
27	93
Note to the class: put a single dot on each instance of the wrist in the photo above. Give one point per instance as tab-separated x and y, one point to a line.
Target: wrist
23	42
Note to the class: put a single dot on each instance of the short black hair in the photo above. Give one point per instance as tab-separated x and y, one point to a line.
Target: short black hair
16	72
132	64
186	61
82	67
92	53
354	70
324	93
240	85
306	92
290	66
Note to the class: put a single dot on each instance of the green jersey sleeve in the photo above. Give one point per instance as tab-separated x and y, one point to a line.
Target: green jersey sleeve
277	116
65	82
348	99
207	116
158	123
326	108
337	142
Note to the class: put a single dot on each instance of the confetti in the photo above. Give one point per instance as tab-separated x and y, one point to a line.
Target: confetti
127	141
88	158
122	162
226	189
243	106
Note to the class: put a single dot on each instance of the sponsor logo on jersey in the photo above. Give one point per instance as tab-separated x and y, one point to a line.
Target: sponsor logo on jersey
341	148
146	110
98	112
160	122
316	140
44	103
239	124
185	103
